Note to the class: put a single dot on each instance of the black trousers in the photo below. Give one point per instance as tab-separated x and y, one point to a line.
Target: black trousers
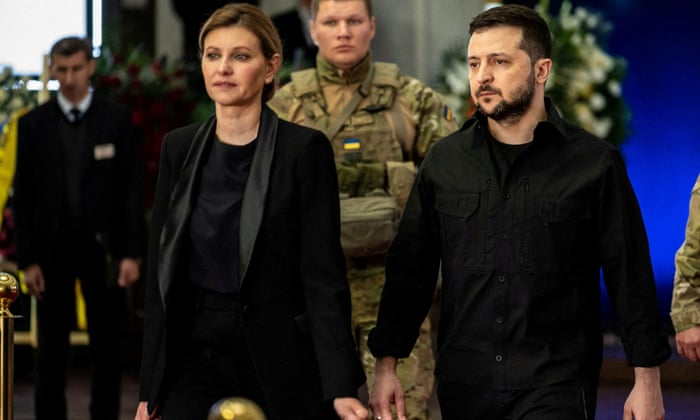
214	365
571	400
105	311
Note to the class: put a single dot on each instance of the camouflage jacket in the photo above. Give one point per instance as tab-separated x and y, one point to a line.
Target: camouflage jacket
414	115
685	304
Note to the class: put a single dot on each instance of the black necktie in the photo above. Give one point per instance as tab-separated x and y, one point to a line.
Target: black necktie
75	114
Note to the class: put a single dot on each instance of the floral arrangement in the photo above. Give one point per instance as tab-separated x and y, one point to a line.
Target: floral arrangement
585	82
15	99
14	95
159	97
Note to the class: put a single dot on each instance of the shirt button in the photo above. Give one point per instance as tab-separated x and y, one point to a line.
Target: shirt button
507	196
499	320
499	358
504	236
501	279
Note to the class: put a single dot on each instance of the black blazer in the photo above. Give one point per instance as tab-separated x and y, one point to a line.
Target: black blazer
111	184
294	292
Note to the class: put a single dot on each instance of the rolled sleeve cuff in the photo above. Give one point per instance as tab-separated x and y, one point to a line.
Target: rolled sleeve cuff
686	319
383	342
646	351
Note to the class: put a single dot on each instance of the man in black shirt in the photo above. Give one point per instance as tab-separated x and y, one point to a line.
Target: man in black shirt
522	209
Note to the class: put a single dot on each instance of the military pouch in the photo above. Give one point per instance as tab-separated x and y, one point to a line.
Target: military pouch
367	224
360	178
400	177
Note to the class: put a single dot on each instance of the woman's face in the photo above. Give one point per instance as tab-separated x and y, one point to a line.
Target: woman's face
234	67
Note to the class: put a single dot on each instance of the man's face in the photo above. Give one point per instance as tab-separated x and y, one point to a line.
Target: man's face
343	31
73	72
501	75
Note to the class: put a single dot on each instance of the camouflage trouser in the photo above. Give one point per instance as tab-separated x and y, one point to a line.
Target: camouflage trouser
415	371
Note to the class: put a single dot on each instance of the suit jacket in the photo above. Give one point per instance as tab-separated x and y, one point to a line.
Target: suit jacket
110	185
294	294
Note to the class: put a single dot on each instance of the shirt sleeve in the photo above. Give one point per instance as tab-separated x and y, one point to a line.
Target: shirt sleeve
627	269
685	303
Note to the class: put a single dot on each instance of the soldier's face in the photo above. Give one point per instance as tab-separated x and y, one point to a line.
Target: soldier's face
343	31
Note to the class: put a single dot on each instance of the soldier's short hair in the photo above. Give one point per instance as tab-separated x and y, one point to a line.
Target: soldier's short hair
71	45
537	40
316	3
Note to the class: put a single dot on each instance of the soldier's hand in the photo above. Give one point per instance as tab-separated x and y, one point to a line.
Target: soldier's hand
688	343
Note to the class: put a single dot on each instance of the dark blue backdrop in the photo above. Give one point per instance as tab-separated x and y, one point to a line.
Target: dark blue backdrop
661	44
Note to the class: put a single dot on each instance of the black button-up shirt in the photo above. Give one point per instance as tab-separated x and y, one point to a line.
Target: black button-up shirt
521	247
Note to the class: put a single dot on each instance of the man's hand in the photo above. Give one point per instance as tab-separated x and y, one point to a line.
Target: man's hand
350	409
688	343
34	280
387	390
142	412
128	272
645	402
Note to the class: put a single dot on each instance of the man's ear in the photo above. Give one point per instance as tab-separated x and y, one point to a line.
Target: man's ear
543	67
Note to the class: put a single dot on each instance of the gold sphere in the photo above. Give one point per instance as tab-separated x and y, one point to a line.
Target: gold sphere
9	290
235	408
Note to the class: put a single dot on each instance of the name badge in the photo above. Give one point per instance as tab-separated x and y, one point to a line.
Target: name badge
104	151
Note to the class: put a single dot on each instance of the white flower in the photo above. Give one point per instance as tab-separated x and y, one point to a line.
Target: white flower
614	88
590	40
602	127
597	101
592	21
584	115
16	103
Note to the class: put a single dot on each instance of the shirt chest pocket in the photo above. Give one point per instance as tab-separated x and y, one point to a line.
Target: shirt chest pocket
458	214
565	228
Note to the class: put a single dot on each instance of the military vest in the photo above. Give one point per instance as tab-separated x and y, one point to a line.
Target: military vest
373	132
371	151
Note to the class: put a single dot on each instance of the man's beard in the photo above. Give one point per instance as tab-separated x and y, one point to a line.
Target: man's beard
512	110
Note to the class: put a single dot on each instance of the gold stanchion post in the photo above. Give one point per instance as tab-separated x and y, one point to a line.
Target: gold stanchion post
9	290
235	408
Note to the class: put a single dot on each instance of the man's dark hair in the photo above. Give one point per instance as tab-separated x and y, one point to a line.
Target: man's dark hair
537	40
71	45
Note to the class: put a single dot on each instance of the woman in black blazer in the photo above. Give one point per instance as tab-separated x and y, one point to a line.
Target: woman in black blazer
246	293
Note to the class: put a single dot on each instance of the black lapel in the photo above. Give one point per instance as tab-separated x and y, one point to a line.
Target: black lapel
180	207
256	188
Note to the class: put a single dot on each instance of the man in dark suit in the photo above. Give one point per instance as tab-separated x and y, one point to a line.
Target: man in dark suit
79	215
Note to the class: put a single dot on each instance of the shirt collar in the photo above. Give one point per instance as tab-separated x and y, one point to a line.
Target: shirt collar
553	121
67	105
327	71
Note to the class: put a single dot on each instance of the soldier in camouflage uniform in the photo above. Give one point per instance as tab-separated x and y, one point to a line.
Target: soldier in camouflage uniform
685	304
378	139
